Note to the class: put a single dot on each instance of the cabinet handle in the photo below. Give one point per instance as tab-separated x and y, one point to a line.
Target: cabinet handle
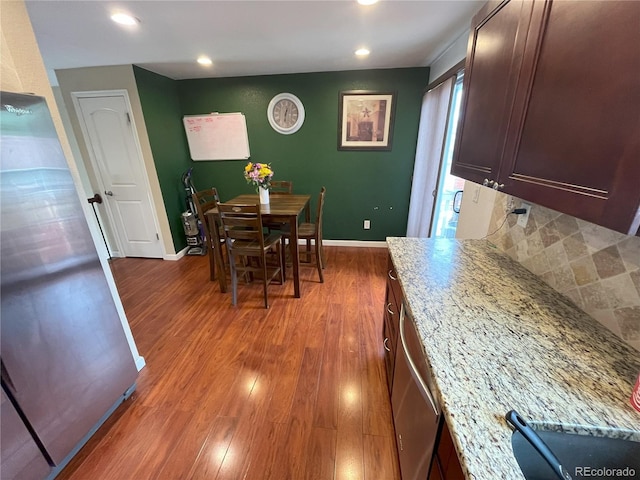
391	276
391	312
400	442
412	366
386	339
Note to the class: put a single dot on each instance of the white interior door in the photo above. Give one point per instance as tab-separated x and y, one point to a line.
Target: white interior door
111	141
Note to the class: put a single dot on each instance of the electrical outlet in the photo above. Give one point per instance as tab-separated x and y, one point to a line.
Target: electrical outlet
524	218
367	224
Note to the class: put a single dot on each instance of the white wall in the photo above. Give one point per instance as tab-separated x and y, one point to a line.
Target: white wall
22	70
118	77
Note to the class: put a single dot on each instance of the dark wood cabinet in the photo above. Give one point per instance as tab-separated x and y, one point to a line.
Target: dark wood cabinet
494	58
445	464
550	113
392	303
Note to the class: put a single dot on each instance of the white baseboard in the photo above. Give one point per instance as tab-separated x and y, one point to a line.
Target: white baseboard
327	243
353	243
176	256
140	362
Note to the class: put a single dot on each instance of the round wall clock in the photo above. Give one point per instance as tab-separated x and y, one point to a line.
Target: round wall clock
285	113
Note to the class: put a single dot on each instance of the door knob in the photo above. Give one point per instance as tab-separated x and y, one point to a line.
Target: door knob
108	192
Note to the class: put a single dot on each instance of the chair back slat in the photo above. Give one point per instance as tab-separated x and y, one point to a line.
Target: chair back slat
205	200
242	222
323	191
281	187
244	237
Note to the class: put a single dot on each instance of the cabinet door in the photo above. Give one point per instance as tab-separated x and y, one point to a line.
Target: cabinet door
575	135
494	58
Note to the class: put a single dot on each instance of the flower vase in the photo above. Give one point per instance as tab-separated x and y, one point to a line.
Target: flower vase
264	196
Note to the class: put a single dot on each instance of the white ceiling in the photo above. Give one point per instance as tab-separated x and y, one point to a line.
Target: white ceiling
247	37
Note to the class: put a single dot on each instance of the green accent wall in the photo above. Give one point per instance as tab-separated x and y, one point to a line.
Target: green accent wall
162	115
373	185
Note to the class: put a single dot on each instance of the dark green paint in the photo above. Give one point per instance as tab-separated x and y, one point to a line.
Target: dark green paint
163	118
360	185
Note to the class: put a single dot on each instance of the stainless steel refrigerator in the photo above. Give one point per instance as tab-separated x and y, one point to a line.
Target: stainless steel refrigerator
66	363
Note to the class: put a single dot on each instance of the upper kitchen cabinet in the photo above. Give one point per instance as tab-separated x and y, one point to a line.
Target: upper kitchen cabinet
494	58
561	127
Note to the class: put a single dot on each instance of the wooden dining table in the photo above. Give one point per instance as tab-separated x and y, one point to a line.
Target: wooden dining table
282	208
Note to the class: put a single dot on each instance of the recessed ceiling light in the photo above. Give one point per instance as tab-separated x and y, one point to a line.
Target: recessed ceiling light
362	52
204	61
367	2
124	19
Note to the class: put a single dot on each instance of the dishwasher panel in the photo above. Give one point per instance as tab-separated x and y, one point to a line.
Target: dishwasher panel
416	413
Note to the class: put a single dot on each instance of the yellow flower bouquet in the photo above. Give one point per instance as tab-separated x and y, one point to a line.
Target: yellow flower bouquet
258	174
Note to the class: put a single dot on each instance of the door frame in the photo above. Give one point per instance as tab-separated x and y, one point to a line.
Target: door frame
75	97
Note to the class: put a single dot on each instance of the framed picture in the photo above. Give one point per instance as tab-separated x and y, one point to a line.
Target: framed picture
365	120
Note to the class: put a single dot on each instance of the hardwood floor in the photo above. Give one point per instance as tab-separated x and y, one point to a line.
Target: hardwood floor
297	391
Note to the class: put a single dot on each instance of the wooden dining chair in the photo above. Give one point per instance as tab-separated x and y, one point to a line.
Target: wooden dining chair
204	201
245	241
311	232
279	187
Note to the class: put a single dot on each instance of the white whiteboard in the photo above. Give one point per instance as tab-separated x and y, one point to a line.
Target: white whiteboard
219	136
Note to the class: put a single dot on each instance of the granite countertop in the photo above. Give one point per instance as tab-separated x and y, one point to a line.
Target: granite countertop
498	338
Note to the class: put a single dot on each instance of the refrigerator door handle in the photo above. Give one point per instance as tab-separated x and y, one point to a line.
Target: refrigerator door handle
6	378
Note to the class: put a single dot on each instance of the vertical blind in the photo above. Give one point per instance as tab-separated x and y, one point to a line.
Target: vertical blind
431	139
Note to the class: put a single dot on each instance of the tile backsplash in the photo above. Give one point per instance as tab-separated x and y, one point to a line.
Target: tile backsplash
596	268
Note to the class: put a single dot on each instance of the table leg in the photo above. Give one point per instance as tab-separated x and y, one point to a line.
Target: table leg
295	259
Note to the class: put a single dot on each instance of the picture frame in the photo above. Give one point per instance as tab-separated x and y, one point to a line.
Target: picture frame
365	120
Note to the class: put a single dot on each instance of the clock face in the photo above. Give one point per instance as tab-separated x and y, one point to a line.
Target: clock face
285	113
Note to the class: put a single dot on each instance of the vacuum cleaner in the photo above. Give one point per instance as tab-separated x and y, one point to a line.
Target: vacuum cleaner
192	225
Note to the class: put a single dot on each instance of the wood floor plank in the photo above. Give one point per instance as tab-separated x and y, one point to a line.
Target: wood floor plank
321	454
296	391
380	459
183	453
350	443
377	419
292	457
215	450
264	461
158	446
328	399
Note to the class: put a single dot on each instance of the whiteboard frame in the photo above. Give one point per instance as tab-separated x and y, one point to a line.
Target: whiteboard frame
195	151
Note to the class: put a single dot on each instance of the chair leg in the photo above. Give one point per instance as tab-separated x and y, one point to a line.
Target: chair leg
283	257
212	263
265	281
319	242
282	262
234	280
319	263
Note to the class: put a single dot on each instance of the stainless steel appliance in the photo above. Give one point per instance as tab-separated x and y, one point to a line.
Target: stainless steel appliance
66	363
416	413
